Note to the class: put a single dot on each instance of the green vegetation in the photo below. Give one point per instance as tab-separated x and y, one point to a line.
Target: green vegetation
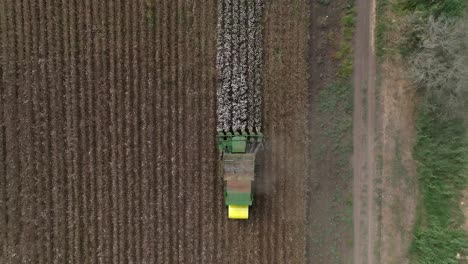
435	45
442	154
336	103
449	8
382	25
324	2
278	54
150	13
345	51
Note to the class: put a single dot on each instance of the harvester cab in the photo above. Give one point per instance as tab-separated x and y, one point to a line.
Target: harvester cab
237	164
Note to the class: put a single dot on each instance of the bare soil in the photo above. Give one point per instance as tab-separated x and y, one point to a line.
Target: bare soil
107	124
399	181
365	125
329	236
396	182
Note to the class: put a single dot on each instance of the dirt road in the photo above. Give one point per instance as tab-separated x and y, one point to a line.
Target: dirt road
364	120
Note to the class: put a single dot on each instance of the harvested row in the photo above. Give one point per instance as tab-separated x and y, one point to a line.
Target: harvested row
239	64
107	123
97	101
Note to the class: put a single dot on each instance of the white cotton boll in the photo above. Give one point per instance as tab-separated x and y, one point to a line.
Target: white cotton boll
239	62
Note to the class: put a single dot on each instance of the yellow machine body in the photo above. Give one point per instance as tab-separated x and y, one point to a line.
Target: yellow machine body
238	212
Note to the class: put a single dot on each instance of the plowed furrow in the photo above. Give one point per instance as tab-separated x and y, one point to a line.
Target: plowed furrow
207	169
68	126
107	116
3	176
101	142
143	224
100	97
42	147
25	133
92	83
139	128
158	136
173	128
50	136
127	176
217	202
190	147
136	168
147	201
26	184
198	192
57	138
122	142
166	127
113	75
74	139
82	135
180	129
82	211
11	158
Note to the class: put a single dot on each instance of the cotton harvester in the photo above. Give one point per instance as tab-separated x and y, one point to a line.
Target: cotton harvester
238	163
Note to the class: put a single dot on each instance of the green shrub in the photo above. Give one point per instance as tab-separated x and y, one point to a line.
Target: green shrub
451	8
441	152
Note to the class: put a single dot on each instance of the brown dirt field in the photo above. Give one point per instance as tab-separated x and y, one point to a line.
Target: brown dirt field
396	182
107	124
329	230
399	182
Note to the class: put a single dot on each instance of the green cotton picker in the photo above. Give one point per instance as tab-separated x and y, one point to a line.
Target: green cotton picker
239	61
238	163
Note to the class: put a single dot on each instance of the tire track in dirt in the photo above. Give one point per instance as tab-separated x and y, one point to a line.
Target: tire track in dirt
364	167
